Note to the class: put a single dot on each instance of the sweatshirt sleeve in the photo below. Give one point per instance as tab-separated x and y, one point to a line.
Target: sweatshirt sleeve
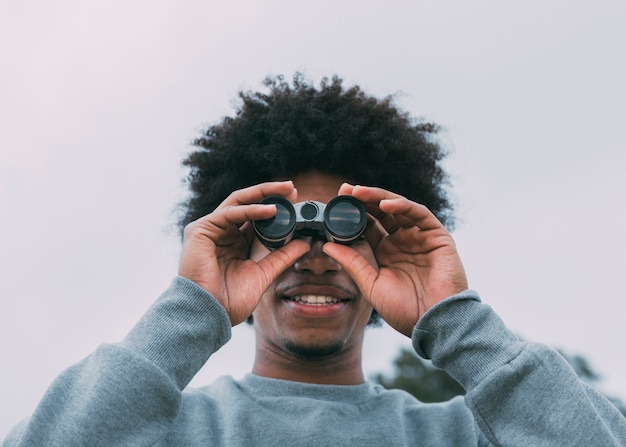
520	393
130	393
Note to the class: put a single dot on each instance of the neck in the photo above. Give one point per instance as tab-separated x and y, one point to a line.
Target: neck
335	369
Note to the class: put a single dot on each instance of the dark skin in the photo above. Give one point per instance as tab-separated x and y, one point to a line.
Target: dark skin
405	250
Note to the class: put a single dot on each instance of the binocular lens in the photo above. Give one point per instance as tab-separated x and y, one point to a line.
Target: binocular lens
345	218
342	220
277	229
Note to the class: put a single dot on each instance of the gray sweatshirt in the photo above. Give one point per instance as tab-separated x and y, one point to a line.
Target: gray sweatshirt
133	393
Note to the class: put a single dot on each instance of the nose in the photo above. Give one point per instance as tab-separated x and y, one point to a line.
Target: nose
315	260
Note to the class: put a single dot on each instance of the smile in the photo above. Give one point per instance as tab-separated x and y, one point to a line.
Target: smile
315	300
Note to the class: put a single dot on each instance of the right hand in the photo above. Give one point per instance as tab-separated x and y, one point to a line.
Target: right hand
215	250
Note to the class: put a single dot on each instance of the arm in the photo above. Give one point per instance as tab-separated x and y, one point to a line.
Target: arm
519	393
130	393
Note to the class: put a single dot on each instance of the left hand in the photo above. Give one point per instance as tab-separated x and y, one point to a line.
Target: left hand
418	264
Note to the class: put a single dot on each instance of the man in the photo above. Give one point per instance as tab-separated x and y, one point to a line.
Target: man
310	299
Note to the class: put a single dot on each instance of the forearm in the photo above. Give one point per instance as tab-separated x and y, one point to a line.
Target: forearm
520	393
180	331
130	393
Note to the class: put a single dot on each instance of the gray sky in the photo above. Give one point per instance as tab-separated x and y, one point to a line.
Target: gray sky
100	100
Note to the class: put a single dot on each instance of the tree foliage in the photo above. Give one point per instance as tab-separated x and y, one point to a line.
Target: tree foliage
430	384
420	378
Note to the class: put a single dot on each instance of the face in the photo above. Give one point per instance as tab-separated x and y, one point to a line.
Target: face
314	309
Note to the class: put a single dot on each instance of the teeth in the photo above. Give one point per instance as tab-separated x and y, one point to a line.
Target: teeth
315	300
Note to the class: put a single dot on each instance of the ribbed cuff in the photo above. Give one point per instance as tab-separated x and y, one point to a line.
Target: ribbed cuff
465	338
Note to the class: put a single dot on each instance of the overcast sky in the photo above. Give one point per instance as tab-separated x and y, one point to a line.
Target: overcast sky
99	101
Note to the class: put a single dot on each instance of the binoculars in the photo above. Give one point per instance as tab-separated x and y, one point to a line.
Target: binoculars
341	220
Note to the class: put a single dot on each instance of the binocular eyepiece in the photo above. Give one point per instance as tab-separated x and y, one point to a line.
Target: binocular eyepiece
342	220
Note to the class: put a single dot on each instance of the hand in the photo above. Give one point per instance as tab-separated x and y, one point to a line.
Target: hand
215	250
418	264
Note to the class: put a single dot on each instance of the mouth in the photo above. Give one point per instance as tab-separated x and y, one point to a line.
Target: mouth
316	296
315	300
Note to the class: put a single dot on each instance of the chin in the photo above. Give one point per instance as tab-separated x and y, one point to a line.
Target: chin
313	352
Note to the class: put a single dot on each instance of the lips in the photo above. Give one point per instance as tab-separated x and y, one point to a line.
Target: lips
315	300
317	295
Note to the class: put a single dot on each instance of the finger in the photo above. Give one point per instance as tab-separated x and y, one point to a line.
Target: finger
360	270
389	208
279	260
388	221
224	218
410	213
406	212
372	197
254	194
345	189
374	233
372	194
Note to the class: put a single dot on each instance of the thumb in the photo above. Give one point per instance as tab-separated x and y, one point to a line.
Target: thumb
362	272
279	260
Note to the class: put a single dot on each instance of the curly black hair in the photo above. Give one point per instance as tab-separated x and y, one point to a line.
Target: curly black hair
294	128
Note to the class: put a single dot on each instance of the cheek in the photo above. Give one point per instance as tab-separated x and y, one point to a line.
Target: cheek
258	251
262	313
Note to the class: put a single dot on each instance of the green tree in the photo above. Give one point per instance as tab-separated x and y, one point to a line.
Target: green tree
430	384
420	378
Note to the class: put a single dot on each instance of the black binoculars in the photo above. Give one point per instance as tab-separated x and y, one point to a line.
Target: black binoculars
342	220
